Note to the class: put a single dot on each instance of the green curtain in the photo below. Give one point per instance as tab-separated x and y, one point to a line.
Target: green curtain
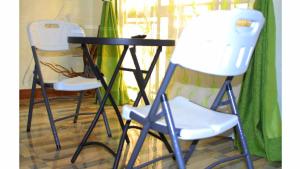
108	55
258	105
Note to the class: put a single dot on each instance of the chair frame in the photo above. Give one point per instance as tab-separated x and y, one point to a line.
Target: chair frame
237	46
38	80
172	131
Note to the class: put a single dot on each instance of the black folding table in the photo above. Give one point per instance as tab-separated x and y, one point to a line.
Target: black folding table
138	74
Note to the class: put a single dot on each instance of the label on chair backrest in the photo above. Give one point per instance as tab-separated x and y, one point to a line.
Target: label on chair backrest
243	22
51	25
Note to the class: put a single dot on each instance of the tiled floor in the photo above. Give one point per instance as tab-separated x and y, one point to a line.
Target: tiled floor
37	148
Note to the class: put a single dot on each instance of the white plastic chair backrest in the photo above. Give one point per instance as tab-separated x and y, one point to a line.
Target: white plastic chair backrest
219	42
52	35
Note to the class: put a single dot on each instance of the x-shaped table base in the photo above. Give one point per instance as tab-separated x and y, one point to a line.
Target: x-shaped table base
138	74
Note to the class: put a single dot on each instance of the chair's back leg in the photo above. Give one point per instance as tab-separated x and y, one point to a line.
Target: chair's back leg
192	148
239	129
78	106
31	103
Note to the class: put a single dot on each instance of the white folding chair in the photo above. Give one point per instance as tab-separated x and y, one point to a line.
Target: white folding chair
52	35
218	43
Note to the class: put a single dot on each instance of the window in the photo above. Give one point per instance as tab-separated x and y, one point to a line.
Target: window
163	19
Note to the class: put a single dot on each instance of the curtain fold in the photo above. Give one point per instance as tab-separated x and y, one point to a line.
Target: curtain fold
258	106
108	55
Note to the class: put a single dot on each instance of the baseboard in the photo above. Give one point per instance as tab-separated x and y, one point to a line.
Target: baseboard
25	93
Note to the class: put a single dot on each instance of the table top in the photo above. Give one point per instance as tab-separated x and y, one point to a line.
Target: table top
121	41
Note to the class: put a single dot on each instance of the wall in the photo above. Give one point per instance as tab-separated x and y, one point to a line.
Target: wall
277	9
83	12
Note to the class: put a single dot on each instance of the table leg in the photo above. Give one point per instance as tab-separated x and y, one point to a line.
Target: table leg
139	76
100	77
148	75
106	96
142	85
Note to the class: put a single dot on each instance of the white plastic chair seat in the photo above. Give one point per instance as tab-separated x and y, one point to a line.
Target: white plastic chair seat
194	121
77	84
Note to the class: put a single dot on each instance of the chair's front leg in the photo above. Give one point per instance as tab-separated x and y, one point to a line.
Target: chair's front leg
38	75
172	133
50	116
239	128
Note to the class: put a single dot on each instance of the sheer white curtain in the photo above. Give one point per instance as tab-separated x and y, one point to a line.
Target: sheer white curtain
165	19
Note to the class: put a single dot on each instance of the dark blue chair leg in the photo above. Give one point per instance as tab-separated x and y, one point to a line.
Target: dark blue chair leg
239	128
78	106
190	151
173	135
244	146
51	120
39	78
31	103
